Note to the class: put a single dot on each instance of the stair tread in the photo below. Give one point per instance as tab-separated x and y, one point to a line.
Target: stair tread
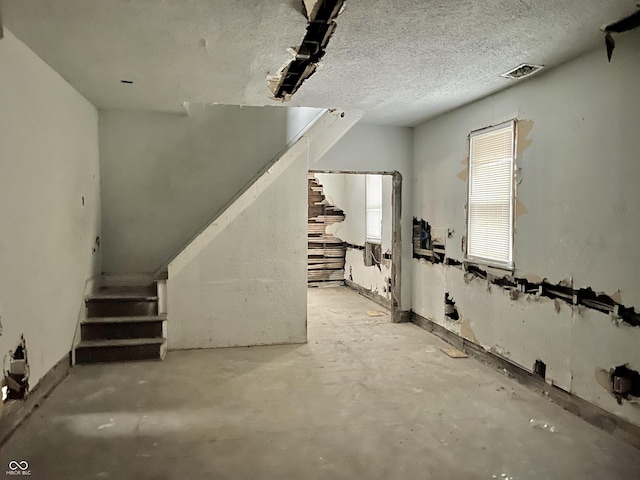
125	319
126	342
121	296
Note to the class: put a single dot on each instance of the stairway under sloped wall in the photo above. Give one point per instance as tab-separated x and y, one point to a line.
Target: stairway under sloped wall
242	280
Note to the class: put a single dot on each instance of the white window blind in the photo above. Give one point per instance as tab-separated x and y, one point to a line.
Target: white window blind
490	208
373	197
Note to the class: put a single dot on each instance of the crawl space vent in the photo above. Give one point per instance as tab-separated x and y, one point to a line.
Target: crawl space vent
522	71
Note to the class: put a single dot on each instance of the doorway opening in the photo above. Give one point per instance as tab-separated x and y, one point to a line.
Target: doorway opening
354	234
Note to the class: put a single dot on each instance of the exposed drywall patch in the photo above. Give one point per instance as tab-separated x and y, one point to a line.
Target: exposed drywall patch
524	142
464	174
533	278
467	332
621	382
617	296
520	208
305	59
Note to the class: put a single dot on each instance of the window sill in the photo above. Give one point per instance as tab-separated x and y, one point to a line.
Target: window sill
501	268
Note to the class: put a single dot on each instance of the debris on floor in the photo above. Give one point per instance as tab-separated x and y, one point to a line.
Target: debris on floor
542	425
454	352
375	313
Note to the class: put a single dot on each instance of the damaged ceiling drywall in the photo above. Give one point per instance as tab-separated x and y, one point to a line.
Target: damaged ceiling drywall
401	62
306	56
626	24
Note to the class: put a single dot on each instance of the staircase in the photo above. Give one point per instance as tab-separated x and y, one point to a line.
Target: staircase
122	325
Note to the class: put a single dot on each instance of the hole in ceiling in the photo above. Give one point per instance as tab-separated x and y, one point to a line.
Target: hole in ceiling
522	71
129	82
304	63
625	25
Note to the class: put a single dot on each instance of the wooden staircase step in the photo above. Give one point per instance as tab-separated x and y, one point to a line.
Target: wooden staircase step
120	350
132	319
101	305
112	328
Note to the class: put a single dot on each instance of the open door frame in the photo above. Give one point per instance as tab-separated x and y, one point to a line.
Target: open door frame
396	234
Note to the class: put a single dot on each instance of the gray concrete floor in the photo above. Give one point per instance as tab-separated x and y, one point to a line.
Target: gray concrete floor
364	399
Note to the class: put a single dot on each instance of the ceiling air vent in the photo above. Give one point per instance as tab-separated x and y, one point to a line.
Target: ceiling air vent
522	71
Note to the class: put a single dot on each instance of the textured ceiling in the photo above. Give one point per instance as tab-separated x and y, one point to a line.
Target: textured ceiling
400	61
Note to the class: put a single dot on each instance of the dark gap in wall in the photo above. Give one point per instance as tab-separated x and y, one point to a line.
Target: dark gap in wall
505	282
626	383
450	309
319	30
562	292
424	245
476	271
428	248
591	299
452	262
621	382
540	369
16	378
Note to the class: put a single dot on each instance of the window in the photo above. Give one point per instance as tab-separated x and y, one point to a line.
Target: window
373	200
491	195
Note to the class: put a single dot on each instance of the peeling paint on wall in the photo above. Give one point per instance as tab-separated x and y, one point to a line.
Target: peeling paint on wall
467	332
524	129
520	208
464	174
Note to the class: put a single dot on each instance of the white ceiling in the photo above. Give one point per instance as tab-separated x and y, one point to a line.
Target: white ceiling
400	61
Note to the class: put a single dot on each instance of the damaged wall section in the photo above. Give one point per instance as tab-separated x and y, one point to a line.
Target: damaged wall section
325	256
576	230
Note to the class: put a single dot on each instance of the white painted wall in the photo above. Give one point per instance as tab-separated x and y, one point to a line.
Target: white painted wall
367	148
48	163
166	176
578	181
298	118
347	192
243	281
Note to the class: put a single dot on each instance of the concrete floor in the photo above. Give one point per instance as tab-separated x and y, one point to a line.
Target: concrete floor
364	399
